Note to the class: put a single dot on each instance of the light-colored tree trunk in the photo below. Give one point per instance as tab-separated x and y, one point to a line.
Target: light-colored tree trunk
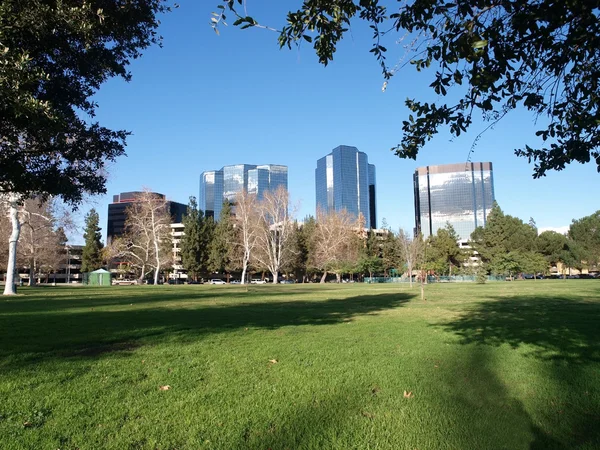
323	277
31	273
11	267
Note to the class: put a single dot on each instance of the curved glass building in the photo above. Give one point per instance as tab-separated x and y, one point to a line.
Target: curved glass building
344	179
216	186
459	194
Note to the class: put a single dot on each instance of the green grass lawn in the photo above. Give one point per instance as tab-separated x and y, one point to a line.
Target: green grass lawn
495	366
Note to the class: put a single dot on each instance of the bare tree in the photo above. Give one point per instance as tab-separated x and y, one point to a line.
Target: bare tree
336	236
247	227
146	242
274	230
413	252
40	235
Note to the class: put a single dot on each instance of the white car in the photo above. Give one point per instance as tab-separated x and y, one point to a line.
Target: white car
216	281
257	281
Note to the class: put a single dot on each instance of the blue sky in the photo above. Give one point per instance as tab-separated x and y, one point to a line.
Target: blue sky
204	101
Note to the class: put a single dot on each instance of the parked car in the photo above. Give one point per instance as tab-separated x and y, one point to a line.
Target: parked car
287	281
235	282
216	281
257	281
123	282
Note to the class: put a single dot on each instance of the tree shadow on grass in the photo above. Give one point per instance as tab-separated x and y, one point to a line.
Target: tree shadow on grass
553	328
561	332
91	333
56	299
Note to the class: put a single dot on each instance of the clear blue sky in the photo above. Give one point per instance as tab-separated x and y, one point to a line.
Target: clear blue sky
204	101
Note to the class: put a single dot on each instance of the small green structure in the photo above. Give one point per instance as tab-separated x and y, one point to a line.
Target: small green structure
98	277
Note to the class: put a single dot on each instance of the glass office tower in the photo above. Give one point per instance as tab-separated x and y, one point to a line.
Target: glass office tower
211	193
267	178
344	179
216	186
460	194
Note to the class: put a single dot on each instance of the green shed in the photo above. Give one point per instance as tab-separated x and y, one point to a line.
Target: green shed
98	277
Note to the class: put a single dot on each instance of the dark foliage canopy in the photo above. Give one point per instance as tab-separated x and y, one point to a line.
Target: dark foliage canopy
53	58
91	258
492	55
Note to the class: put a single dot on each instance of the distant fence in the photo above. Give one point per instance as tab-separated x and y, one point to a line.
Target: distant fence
432	279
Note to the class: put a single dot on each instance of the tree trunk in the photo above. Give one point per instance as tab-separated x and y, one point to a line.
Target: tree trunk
323	277
275	277
243	280
11	266
338	277
32	272
410	276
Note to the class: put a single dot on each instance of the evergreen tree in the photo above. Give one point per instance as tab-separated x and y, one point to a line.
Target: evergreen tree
222	243
195	243
585	234
444	253
91	258
370	255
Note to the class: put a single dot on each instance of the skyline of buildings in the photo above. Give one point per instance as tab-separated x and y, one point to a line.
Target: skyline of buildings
216	186
461	194
344	179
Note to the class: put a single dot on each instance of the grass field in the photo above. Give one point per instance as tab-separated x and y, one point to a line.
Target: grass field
495	366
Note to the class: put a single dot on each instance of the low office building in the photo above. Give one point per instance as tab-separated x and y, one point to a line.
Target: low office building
117	213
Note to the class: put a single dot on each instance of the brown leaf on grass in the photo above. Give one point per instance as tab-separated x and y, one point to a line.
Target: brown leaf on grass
27	424
166	387
273	361
408	394
375	391
368	415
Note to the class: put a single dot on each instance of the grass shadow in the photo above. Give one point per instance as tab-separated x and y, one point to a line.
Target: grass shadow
94	332
560	335
552	328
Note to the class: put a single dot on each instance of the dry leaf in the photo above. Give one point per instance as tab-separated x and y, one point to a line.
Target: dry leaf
408	394
273	361
27	424
165	387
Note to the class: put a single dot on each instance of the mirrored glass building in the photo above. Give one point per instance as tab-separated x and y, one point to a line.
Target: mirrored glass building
460	194
216	186
344	179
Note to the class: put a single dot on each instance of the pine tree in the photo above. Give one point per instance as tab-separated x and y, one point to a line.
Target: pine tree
91	259
195	244
221	247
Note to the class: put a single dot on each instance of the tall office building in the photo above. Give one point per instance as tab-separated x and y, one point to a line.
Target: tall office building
216	186
117	213
211	192
460	194
344	179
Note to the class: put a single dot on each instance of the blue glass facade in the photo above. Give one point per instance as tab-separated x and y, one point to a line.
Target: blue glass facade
267	178
459	194
344	179
216	186
211	193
